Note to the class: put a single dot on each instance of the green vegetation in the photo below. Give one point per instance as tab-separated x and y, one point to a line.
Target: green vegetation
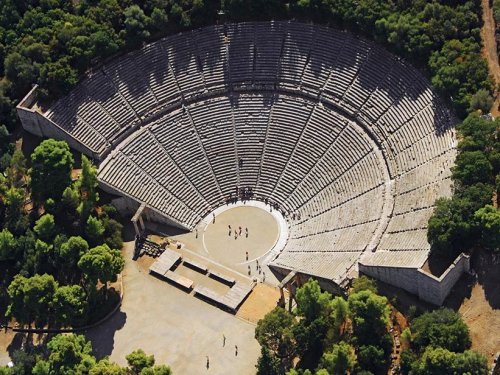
469	219
331	335
57	250
438	344
72	354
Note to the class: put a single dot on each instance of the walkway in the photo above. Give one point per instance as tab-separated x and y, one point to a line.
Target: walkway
178	329
490	50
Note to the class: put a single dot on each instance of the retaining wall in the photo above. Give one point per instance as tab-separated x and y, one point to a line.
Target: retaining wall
426	286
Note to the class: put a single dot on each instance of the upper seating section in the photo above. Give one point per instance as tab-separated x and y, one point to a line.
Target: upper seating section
357	76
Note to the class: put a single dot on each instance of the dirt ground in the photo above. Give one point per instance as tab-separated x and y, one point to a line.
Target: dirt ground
479	303
263	299
490	50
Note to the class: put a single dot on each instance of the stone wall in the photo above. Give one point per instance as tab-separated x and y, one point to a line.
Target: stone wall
34	122
417	281
128	206
435	289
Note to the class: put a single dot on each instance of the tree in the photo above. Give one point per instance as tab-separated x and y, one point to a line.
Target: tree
51	163
73	249
17	168
340	313
58	77
31	299
459	71
21	70
7	245
157	370
159	18
45	227
69	199
105	367
69	304
472	167
267	364
488	219
87	184
136	24
373	358
339	360
69	354
364	283
274	332
138	361
443	328
471	362
436	361
15	218
481	100
101	263
450	228
94	230
370	316
311	302
112	232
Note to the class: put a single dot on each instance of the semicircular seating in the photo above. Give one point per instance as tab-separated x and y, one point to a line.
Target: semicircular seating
347	140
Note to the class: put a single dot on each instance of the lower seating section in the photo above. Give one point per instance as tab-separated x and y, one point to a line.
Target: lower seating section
325	171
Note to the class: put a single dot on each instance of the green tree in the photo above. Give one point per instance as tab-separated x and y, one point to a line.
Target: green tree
274	332
7	245
267	364
443	328
364	283
101	263
31	299
472	167
459	71
15	218
45	227
58	77
69	354
339	360
471	362
157	370
311	301
73	249
138	361
373	358
450	228
94	230
87	184
436	361
136	24
488	219
481	100
370	316
340	313
51	165
105	367
69	305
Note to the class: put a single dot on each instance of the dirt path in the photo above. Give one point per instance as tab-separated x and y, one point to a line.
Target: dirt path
490	50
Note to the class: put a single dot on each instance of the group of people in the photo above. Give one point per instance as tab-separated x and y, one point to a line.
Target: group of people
223	345
237	232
